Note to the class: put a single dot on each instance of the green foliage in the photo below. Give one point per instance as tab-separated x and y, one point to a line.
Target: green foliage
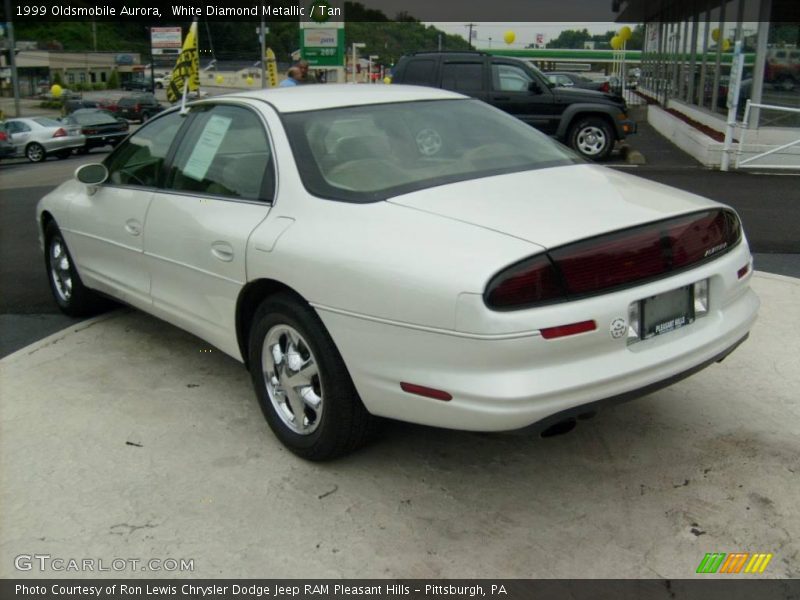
54	104
113	80
57	78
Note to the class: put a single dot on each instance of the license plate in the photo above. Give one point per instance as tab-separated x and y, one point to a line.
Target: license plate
667	312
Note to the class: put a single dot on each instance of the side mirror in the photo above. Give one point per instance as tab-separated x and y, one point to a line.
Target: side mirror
92	175
534	87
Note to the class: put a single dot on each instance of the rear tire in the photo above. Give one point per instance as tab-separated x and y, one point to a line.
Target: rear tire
592	138
62	154
302	383
73	298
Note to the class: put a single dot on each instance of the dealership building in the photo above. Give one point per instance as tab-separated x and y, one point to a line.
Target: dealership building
687	62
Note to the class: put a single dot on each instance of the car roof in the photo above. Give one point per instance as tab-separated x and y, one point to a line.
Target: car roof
319	97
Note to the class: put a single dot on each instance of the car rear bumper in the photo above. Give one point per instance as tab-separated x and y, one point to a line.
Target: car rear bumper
514	381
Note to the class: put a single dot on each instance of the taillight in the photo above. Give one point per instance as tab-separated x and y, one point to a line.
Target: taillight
137	108
605	87
89	131
615	260
60	132
532	281
3	136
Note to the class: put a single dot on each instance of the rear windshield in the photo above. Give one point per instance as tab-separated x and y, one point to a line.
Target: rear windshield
128	101
47	122
371	153
93	118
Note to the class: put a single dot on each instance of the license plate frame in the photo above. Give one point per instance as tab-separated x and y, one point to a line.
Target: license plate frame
666	312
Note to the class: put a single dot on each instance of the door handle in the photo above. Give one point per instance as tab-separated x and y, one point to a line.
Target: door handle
223	251
133	227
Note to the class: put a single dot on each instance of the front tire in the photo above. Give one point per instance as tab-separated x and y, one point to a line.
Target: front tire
35	152
73	298
302	384
592	138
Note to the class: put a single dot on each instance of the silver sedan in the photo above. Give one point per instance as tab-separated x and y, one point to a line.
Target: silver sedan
37	137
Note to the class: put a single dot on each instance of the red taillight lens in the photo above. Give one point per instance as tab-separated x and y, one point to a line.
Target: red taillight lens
615	260
550	333
531	281
3	136
421	390
605	87
89	131
137	108
60	132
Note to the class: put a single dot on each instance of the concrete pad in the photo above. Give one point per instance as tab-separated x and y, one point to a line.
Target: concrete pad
125	437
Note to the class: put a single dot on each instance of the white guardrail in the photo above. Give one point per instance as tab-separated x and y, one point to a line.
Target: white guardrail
745	163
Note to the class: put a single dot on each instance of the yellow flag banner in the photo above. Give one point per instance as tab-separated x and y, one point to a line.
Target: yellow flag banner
187	68
272	69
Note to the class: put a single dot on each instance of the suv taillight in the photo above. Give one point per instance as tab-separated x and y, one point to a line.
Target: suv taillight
137	108
3	136
615	260
605	87
60	132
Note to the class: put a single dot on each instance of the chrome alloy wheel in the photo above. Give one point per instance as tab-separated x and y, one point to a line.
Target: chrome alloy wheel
60	271
591	140
292	379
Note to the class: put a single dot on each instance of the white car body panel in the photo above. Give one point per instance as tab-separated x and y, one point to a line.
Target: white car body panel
399	284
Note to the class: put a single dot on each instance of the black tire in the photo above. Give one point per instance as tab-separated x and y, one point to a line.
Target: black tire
83	150
80	301
344	424
62	154
592	137
35	152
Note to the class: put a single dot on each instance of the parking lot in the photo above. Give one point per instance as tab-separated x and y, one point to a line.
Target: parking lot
122	436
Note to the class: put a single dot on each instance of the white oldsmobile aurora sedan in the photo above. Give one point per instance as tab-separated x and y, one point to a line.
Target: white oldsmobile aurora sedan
401	252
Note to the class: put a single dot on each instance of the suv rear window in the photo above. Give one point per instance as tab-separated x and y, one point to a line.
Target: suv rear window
419	71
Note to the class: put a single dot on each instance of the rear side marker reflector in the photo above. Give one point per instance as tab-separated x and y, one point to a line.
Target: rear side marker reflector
743	271
421	390
571	329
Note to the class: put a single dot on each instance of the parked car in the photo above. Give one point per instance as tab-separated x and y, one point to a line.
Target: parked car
589	122
138	85
566	79
409	266
6	147
138	107
162	81
70	105
37	137
99	127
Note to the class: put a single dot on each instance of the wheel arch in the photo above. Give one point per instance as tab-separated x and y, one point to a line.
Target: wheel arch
575	112
250	298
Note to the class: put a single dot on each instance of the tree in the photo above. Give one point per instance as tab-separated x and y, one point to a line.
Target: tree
570	38
113	80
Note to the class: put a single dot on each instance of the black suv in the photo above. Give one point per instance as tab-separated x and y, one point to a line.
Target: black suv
590	122
138	107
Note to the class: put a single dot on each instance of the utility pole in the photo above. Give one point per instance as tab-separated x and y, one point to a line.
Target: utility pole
12	57
440	41
469	39
94	35
263	36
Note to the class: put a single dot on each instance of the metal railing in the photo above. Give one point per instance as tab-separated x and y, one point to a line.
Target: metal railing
745	163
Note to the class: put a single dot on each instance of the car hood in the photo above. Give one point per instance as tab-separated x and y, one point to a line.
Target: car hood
582	94
554	206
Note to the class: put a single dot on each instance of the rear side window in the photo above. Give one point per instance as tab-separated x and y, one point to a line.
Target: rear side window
462	77
225	152
419	72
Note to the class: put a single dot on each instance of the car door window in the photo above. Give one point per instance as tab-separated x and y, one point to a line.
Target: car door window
225	152
462	77
139	160
510	78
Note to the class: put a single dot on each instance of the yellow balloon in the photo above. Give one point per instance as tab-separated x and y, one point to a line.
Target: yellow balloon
509	37
220	79
625	33
56	90
616	42
249	80
715	35
387	80
726	45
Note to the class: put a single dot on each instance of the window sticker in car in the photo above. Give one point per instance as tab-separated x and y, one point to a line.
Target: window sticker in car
206	148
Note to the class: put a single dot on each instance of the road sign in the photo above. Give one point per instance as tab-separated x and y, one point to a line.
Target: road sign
165	37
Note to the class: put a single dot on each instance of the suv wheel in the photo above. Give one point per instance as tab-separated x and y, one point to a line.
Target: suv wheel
592	137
